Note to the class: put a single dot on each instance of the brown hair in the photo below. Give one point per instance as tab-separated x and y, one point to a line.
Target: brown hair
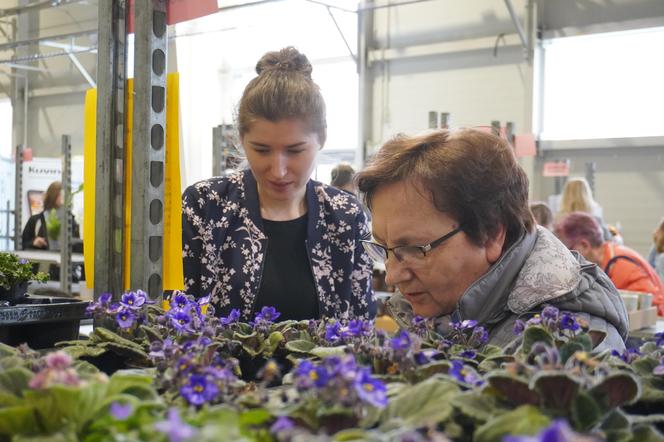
342	175
51	195
577	226
659	242
471	175
282	90
542	213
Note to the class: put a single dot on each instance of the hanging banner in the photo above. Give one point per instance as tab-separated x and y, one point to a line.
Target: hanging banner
179	10
556	168
173	278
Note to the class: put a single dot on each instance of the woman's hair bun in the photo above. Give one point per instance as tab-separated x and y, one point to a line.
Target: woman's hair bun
286	60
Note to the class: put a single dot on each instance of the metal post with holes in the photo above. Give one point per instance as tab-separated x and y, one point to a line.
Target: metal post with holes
110	174
65	245
217	157
18	197
495	127
148	147
445	120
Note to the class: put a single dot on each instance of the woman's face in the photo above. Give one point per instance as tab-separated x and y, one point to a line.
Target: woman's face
402	215
282	156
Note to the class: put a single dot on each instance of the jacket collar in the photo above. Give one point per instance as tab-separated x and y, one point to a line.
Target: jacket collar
253	204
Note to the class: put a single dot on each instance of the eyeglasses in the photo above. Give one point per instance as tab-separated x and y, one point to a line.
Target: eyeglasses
411	254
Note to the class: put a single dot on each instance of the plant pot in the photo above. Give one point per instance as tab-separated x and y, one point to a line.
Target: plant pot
15	293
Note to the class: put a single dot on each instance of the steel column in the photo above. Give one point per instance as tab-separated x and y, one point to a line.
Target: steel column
365	38
148	146
65	245
109	185
18	201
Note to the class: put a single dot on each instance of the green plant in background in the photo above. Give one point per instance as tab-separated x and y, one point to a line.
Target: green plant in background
15	271
53	224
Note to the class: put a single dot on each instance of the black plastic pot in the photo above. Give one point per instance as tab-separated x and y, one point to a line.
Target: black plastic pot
41	321
14	294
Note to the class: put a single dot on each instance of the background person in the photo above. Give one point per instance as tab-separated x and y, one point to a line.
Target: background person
461	244
542	214
35	234
342	178
627	269
270	235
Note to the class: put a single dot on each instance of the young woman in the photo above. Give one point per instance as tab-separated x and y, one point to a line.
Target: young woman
269	235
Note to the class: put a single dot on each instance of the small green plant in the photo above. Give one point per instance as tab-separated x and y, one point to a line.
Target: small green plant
53	225
15	271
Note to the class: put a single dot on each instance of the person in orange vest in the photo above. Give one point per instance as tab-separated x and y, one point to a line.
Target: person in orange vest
627	269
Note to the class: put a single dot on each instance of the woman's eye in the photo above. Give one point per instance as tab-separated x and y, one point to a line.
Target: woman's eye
295	152
261	151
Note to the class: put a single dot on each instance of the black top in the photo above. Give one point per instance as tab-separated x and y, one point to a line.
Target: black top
36	226
287	283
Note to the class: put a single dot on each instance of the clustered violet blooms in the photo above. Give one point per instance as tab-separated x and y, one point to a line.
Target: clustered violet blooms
128	312
559	323
337	333
339	381
187	315
264	319
194	369
175	428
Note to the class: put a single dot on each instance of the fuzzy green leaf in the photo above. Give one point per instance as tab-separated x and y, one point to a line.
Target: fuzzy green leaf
533	335
324	352
557	389
514	389
615	390
300	346
585	412
523	420
15	380
423	404
17	420
479	407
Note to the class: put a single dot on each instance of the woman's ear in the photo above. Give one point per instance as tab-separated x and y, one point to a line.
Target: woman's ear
494	245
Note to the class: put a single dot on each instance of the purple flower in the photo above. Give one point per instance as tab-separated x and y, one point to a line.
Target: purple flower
519	327
180	301
22	261
463	325
535	320
181	321
568	322
132	301
558	431
463	374
125	318
659	339
267	314
425	356
659	370
105	299
121	412
358	327
370	390
282	424
198	390
479	337
629	355
401	342
468	354
307	375
550	313
233	317
333	332
544	356
175	428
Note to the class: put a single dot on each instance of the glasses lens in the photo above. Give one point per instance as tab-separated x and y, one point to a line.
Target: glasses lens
411	254
376	252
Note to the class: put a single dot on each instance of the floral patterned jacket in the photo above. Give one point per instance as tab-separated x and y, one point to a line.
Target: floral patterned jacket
224	246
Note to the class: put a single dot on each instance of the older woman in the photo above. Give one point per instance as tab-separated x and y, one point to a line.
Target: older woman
452	224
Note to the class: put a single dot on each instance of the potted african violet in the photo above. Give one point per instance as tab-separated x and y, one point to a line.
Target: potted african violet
15	273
